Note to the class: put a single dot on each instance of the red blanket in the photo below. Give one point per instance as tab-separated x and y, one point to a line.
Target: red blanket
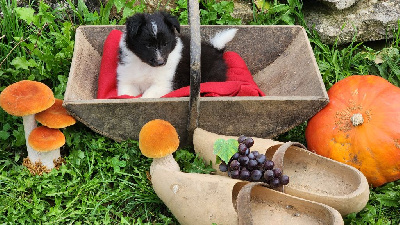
239	80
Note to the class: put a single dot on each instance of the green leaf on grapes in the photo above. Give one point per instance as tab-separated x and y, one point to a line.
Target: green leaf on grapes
225	149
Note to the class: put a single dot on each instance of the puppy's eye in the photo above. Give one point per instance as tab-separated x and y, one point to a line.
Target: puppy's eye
165	44
148	46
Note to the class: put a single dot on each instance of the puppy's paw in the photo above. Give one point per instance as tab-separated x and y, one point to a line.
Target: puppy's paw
130	90
156	92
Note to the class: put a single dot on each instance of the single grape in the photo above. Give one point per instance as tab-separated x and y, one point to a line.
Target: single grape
252	164
244	175
223	167
235	174
255	153
277	172
274	182
249	142
234	165
243	160
251	155
247	152
241	138
260	158
235	156
242	148
284	179
268	164
268	175
256	175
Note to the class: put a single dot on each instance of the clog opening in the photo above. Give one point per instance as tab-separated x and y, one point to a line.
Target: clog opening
309	172
278	208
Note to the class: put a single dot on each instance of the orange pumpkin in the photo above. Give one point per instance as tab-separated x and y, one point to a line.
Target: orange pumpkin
360	127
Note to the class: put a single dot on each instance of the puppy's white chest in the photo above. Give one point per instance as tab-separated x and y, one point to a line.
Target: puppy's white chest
133	70
134	76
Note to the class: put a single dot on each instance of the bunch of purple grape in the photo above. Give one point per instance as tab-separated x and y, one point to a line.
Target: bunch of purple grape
253	166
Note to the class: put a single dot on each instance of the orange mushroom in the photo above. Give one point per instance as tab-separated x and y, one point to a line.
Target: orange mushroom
26	98
56	116
158	139
47	142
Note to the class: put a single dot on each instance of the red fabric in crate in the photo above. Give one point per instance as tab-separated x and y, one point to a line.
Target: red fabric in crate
239	80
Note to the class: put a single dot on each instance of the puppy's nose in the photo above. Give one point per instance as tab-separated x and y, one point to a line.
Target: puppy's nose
159	62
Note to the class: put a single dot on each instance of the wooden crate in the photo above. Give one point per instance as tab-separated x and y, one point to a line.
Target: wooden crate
279	57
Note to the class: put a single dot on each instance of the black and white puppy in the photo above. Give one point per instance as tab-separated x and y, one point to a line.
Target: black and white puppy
154	61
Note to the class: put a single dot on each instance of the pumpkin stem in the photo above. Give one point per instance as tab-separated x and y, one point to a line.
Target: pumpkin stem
357	119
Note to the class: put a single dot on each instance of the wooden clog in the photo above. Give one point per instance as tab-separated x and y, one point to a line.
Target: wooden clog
204	199
312	176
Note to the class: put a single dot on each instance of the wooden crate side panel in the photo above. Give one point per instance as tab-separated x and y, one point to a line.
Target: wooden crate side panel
123	121
293	73
258	118
83	75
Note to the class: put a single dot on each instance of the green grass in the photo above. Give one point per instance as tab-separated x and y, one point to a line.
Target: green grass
105	182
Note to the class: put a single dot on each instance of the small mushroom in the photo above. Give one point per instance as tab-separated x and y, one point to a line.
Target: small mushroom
47	142
56	116
158	139
26	98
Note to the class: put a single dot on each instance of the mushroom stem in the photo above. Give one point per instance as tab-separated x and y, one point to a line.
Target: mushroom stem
46	158
168	162
30	124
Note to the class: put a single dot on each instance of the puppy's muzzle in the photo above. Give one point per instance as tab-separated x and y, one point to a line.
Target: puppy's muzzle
158	62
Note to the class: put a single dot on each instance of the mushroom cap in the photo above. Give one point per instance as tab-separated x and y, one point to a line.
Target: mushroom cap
26	97
56	116
44	139
158	138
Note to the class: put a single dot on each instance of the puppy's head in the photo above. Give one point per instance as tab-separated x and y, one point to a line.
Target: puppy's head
152	36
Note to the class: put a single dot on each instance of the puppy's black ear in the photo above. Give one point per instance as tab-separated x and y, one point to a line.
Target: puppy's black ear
134	22
172	21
